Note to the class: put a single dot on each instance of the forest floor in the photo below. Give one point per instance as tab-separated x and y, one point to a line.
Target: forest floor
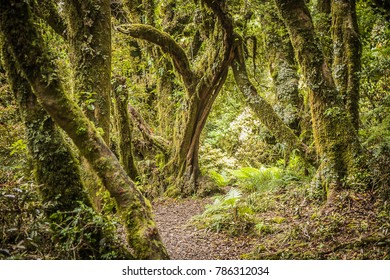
185	242
286	225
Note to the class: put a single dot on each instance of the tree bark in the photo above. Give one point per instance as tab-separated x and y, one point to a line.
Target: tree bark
283	70
124	127
335	137
34	60
89	34
261	107
347	52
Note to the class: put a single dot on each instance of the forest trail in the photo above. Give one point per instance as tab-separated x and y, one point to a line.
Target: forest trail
184	242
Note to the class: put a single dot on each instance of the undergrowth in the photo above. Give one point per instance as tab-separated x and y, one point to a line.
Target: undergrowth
286	214
28	233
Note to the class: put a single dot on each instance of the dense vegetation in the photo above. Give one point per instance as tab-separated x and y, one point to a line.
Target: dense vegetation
278	110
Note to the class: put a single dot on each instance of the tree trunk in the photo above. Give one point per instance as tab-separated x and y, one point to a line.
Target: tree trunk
186	157
56	168
89	34
261	107
283	70
335	137
124	127
37	65
323	26
347	52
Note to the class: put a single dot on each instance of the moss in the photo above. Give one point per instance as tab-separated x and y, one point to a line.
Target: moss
347	52
124	128
335	137
173	191
81	130
142	233
90	44
17	19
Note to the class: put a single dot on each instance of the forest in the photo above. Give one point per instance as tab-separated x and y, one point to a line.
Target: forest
194	129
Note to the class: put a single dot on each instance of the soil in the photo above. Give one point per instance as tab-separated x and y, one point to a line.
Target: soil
184	242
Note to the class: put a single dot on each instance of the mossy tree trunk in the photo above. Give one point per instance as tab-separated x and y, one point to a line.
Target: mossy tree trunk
347	52
283	69
323	26
263	110
185	163
89	35
202	88
56	168
335	137
124	127
35	61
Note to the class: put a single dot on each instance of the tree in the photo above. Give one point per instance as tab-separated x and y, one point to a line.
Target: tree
346	53
335	137
35	62
202	86
203	75
89	35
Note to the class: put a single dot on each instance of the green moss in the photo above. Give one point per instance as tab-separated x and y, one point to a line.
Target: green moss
81	130
90	42
173	191
142	233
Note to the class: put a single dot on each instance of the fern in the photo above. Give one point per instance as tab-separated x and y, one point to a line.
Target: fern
226	214
245	172
220	180
233	194
262	179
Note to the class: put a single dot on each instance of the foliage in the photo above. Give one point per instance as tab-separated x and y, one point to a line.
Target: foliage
374	86
27	232
12	148
270	196
262	179
226	214
232	133
77	233
221	180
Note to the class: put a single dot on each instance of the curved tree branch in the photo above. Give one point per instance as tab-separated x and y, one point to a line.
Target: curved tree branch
228	42
261	107
219	10
167	44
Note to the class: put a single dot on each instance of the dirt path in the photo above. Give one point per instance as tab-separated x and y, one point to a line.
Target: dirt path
185	242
